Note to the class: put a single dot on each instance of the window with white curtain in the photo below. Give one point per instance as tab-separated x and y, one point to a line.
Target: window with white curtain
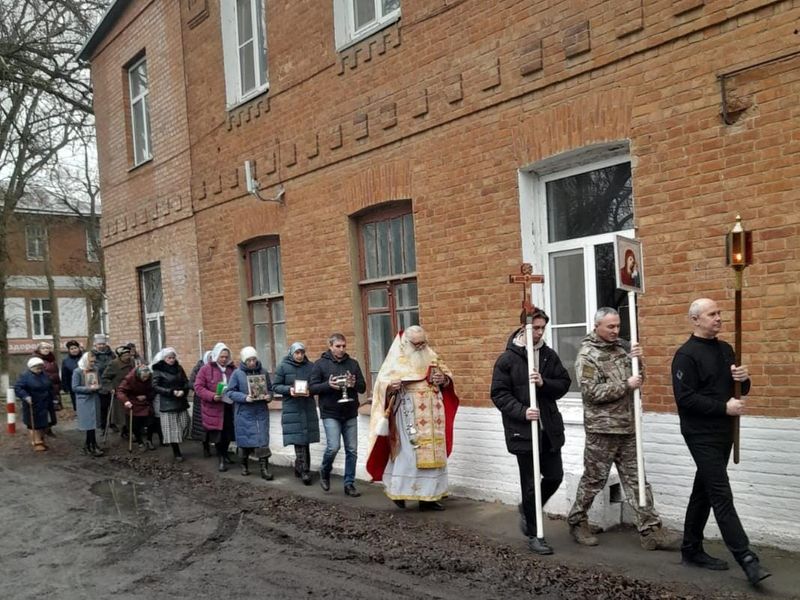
357	19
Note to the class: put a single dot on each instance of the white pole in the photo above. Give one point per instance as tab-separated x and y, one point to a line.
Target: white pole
637	403
200	342
537	484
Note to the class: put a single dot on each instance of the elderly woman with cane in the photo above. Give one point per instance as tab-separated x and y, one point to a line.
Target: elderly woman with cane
86	385
136	394
36	392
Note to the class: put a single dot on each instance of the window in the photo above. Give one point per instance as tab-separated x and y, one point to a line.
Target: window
152	307
582	211
357	19
265	303
42	317
35	241
389	279
244	49
92	243
140	111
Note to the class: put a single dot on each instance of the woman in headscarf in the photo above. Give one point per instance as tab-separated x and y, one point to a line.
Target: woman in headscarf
172	391
136	394
216	409
86	385
299	412
198	432
34	389
250	391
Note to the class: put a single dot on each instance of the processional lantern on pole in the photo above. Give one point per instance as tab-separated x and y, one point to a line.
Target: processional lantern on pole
738	255
528	280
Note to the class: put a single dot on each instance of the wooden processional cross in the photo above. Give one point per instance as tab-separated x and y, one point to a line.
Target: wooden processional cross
528	280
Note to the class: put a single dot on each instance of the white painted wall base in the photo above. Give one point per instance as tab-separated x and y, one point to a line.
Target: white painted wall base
766	484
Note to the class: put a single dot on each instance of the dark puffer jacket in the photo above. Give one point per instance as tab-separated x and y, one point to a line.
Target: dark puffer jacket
166	380
299	419
511	394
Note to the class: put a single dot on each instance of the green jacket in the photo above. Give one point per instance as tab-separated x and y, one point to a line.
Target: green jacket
602	369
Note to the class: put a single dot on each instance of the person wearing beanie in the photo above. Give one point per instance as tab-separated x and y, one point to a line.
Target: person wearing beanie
250	391
103	355
110	378
35	391
86	385
44	350
299	419
68	366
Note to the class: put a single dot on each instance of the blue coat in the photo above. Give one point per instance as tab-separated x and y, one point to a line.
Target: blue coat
40	390
87	401
250	419
299	418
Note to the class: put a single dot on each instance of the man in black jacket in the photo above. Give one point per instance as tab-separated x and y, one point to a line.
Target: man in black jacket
510	393
703	375
340	419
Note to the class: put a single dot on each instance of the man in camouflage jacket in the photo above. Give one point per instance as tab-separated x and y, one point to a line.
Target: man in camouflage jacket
603	369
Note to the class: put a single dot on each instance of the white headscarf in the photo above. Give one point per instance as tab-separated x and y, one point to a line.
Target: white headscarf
162	354
218	348
83	361
207	357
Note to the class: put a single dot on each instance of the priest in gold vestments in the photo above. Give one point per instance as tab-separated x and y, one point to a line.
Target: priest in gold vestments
411	426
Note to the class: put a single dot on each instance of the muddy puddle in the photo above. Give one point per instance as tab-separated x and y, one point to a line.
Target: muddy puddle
121	498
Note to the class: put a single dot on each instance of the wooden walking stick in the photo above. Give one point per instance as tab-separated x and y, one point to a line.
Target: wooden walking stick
130	431
738	253
528	279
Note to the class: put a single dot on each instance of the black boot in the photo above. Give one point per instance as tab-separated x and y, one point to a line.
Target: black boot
245	462
206	450
263	463
299	460
222	467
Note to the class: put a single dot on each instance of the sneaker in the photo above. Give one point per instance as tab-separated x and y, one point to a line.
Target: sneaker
350	490
753	569
660	539
581	534
539	546
705	561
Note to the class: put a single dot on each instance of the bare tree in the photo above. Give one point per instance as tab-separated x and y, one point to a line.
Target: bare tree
45	100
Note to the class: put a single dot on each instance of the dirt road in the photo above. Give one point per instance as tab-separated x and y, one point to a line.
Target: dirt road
137	526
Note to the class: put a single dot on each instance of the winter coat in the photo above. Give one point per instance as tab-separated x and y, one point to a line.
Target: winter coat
602	369
250	419
68	366
114	373
39	389
329	405
103	359
168	379
131	388
299	419
205	388
51	369
87	401
510	393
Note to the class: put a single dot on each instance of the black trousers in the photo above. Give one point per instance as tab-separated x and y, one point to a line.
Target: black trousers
105	405
552	471
712	490
139	426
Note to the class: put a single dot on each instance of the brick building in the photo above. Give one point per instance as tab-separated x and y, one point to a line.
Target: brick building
419	150
42	232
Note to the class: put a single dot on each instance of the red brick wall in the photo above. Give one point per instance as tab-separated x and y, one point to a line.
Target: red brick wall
443	109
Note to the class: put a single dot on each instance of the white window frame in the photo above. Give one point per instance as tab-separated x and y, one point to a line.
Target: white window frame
537	250
344	20
230	50
273	358
35	240
157	317
37	319
144	98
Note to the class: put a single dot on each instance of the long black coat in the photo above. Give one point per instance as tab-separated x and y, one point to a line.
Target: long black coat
510	393
166	380
299	413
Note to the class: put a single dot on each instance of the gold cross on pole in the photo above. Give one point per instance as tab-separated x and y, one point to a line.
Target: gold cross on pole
527	279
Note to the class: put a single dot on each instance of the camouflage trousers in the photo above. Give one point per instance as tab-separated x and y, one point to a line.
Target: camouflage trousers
601	451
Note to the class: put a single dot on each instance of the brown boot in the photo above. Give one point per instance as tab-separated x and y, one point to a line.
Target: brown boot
659	538
582	535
